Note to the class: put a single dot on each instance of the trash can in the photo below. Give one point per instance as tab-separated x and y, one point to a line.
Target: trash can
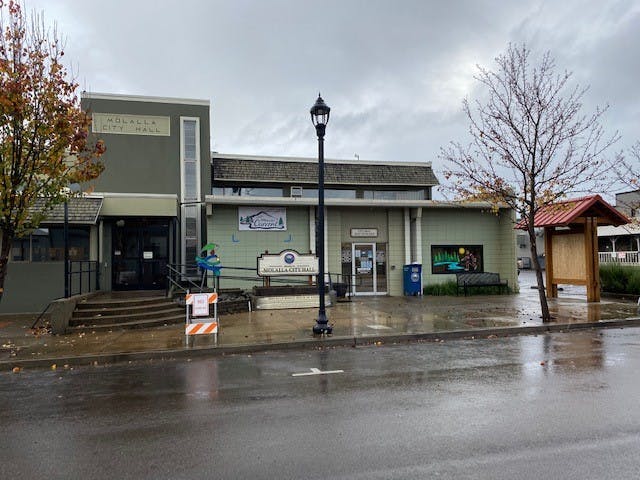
341	289
412	279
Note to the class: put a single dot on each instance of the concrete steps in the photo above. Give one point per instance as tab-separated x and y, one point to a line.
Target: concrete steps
125	311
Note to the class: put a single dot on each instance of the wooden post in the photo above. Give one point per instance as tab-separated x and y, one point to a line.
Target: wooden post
591	259
552	287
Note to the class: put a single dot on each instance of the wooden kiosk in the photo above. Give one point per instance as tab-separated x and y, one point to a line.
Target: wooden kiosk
571	242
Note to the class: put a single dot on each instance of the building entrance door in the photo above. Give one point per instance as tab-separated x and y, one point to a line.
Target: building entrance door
368	268
140	254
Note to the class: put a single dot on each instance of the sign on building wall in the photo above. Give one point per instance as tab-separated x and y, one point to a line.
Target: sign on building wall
287	262
124	124
262	218
456	258
364	232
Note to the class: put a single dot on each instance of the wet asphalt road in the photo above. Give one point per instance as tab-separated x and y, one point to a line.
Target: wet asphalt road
546	407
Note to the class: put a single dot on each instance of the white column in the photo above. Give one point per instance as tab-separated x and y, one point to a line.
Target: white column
407	236
418	256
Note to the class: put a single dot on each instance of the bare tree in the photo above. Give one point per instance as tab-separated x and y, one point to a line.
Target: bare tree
627	171
531	145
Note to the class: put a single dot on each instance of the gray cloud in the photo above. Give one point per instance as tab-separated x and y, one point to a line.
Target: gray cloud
394	72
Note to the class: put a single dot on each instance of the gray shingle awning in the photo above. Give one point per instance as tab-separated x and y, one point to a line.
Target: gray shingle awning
226	170
82	211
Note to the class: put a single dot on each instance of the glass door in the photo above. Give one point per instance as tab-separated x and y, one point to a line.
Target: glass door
140	254
363	268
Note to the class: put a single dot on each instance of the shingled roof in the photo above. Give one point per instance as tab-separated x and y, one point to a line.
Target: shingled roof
235	169
82	210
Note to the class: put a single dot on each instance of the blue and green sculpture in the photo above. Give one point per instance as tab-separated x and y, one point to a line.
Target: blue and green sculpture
208	260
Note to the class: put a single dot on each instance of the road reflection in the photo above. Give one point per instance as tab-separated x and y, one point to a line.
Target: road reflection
563	354
201	380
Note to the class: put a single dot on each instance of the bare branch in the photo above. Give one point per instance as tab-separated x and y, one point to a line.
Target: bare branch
531	145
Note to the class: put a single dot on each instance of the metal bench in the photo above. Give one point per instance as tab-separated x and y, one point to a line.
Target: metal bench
479	279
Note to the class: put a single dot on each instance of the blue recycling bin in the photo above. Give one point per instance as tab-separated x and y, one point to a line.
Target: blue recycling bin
412	275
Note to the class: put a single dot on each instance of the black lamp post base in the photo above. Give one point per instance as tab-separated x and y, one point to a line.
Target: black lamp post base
322	326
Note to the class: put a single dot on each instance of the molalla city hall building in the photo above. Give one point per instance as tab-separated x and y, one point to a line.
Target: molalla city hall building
164	195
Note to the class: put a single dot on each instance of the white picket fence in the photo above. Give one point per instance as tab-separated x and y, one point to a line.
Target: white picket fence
622	258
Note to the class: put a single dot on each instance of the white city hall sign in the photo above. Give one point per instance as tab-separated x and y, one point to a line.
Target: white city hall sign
287	262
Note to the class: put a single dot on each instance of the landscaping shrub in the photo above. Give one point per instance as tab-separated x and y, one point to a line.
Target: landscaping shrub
451	288
447	288
634	281
620	279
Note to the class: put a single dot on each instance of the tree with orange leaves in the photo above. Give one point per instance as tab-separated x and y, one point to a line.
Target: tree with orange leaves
44	134
531	145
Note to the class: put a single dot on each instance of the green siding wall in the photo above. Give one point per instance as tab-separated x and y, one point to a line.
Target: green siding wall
395	252
364	218
439	227
334	221
241	248
474	227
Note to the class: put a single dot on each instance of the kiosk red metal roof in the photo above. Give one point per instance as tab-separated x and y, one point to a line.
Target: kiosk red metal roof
568	211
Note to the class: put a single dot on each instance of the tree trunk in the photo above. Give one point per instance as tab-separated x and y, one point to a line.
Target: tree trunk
5	248
542	294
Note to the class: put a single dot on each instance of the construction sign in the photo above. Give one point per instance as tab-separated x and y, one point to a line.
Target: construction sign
200	322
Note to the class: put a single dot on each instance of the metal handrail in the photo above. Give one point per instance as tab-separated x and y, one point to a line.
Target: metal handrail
92	268
44	311
179	274
177	271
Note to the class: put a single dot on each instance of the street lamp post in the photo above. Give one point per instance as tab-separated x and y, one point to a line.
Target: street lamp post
66	248
320	118
73	189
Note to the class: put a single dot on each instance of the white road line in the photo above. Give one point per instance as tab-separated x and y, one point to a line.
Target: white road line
316	371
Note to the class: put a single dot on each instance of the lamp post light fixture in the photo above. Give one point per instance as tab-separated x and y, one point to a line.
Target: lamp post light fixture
320	118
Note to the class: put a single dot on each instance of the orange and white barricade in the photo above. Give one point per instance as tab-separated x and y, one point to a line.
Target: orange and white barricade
201	322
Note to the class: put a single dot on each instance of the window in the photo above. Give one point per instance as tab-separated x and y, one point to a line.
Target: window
190	159
329	193
47	245
21	249
190	187
248	191
522	241
394	194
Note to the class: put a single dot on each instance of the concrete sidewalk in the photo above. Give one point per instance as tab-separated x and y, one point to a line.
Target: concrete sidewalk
364	320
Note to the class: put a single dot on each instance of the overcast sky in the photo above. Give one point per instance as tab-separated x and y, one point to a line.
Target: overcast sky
393	72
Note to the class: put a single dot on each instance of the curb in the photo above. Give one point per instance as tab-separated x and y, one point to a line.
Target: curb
109	358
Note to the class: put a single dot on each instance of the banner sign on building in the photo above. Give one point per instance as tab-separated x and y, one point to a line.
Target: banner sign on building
287	262
123	124
262	218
